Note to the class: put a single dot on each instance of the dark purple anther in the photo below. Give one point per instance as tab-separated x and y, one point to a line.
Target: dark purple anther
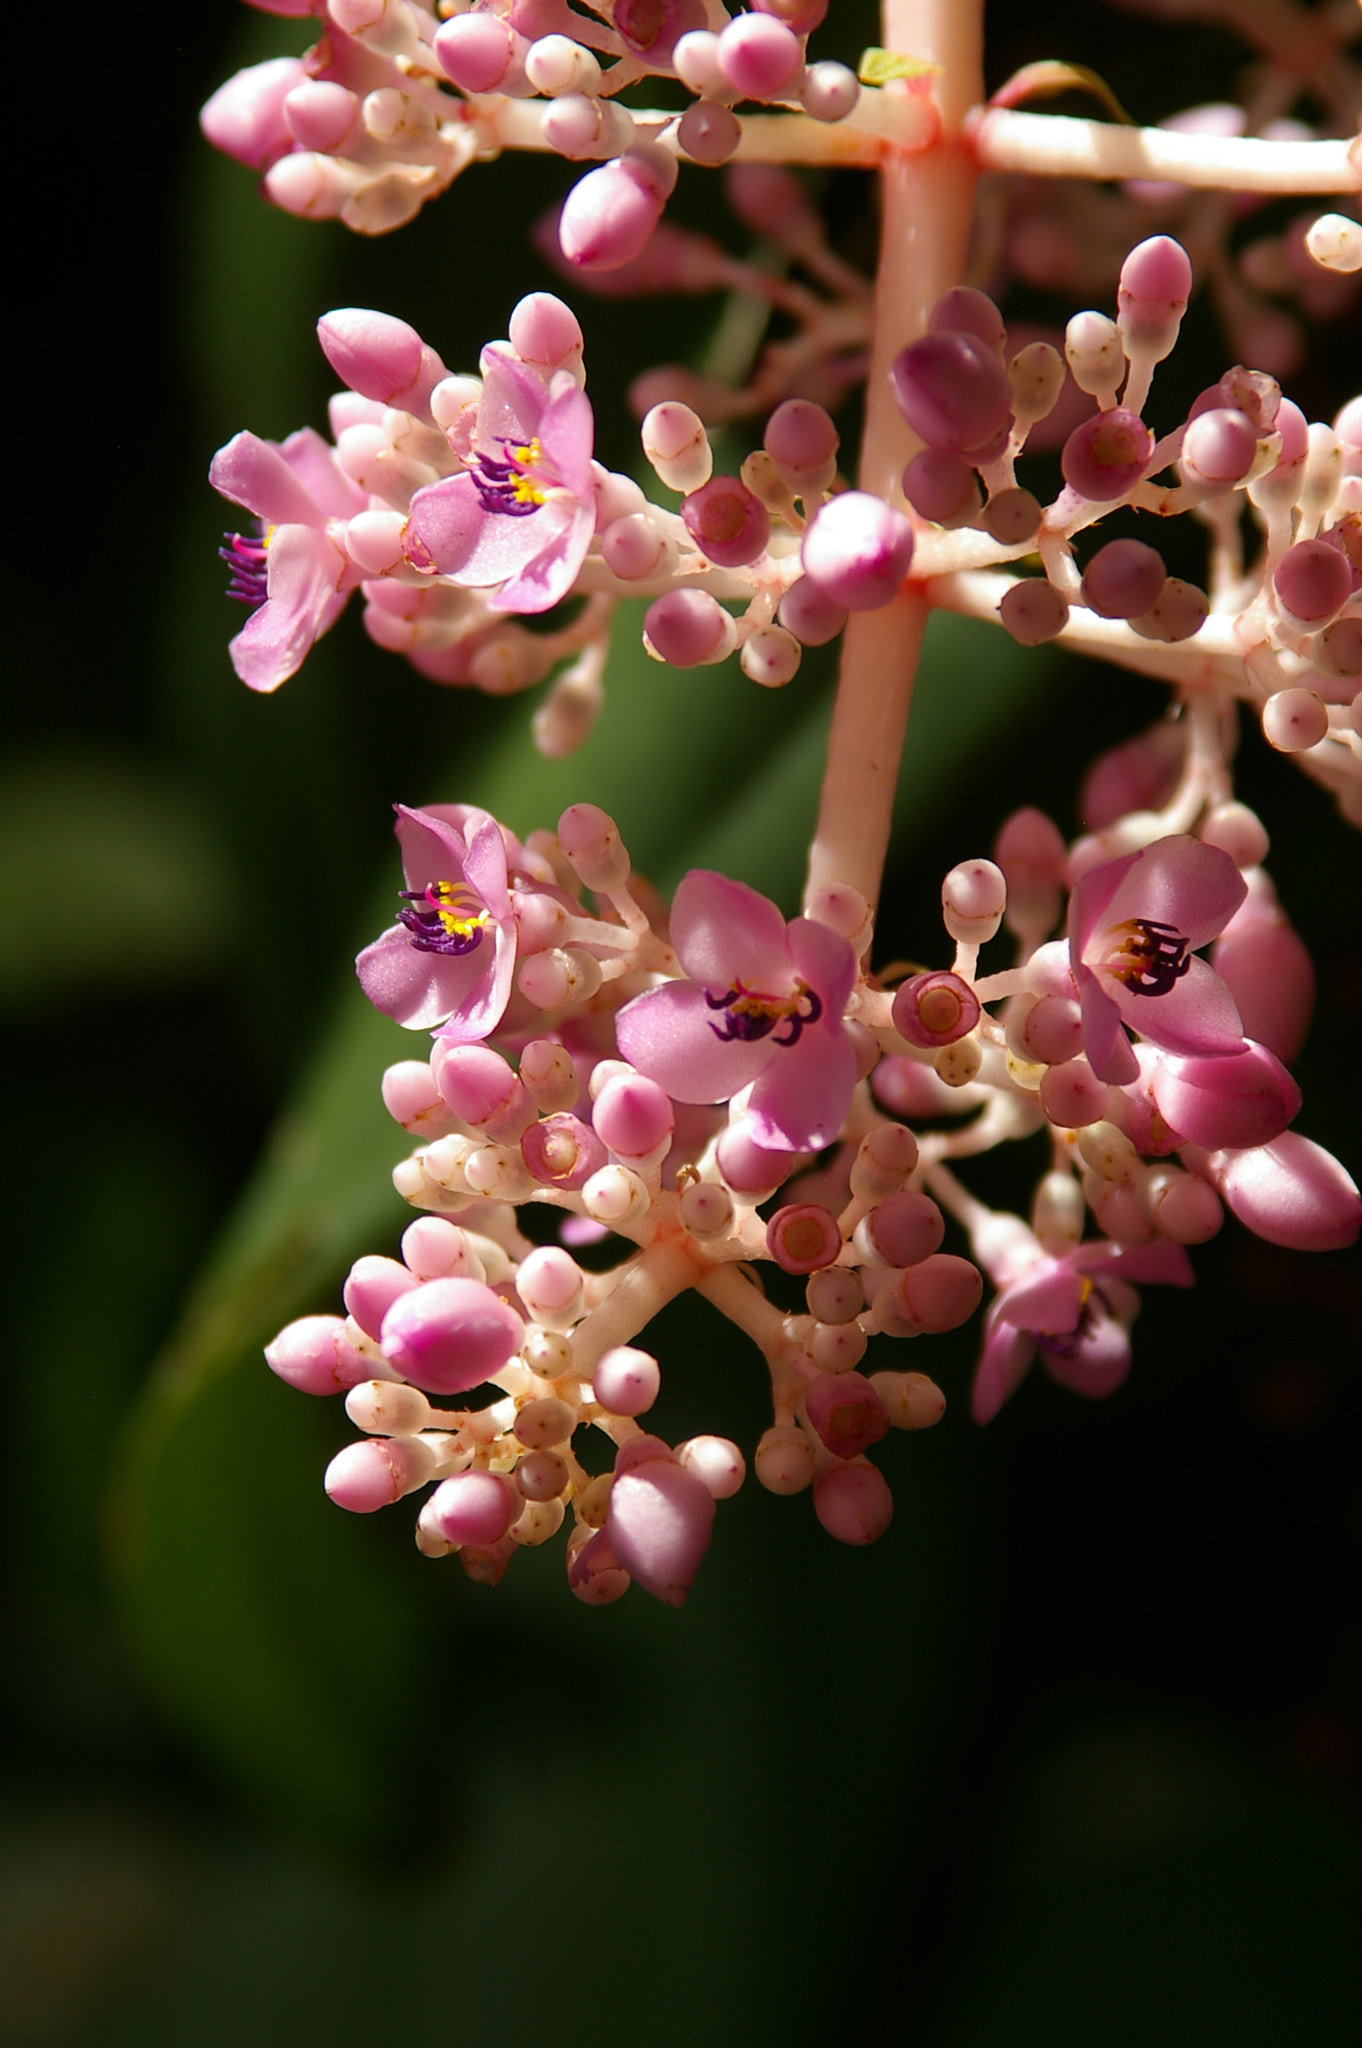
245	555
751	1017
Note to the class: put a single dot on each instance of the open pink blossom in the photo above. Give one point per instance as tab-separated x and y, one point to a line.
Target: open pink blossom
518	521
1076	1311
763	1005
1134	926
449	959
293	573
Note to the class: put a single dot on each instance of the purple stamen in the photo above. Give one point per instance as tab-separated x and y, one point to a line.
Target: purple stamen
246	555
749	1018
1154	957
432	931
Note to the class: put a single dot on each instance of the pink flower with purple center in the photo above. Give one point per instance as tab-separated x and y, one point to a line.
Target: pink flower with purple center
292	573
763	1007
1134	927
518	521
1076	1311
449	960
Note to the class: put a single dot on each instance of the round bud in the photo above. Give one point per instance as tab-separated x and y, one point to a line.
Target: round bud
1219	448
784	1460
973	899
760	57
450	1335
677	446
633	1116
1092	348
716	1462
562	1152
803	1237
374	1284
1237	831
705	1208
857	550
901	1231
830	91
802	441
543	330
813	618
1313	581
846	1412
727	522
615	1196
550	1283
473	1507
1294	720
835	1295
541	1475
708	133
953	391
1151	297
935	1009
941	1292
942	487
1011	517
1107	455
435	1249
1177	613
626	1381
771	657
911	1400
1071	1095
1035	378
853	1503
541	1424
1337	653
368	1476
1033	611
1123	579
688	629
591	840
837	1347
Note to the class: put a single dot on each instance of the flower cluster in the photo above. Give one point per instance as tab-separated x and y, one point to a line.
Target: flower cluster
712	1096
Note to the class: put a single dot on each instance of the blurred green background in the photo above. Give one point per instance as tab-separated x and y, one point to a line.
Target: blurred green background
1074	1756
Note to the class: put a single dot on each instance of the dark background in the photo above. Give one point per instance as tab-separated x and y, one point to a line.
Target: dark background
1073	1756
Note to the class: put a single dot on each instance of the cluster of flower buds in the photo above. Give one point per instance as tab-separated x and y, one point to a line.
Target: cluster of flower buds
723	1088
363	129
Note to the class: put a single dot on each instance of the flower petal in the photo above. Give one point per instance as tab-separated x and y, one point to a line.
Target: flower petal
305	572
254	473
1109	1052
800	1102
1196	1015
669	1035
1003	1365
1179	882
725	933
418	989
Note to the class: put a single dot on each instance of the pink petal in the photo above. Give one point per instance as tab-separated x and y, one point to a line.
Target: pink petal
1161	1261
313	462
1109	1052
1049	1300
432	851
668	1035
825	960
485	864
800	1102
1088	903
305	572
1096	1363
725	933
1003	1365
254	473
1196	1015
549	575
513	401
1177	881
419	989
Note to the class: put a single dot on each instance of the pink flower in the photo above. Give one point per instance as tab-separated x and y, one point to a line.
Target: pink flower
763	1006
1134	926
293	574
449	959
519	520
1076	1311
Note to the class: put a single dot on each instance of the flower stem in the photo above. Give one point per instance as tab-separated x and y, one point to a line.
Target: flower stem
926	201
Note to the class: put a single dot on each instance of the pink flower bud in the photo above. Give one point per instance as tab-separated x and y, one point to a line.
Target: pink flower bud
562	1152
1177	613
953	391
652	28
973	899
316	1356
753	1169
1312	582
935	1009
591	840
709	134
481	53
433	1249
380	357
1033	611
829	91
473	1507
1295	720
626	1381
813	618
320	114
902	1230
727	522
1031	852
770	657
245	117
1071	1095
759	56
659	1525
609	215
1236	1100
1011	516
853	1503
450	1335
940	1292
802	1237
544	331
963	310
372	1288
846	1412
1107	455
633	1116
1122	579
1155	284
482	1088
802	441
1218	449
689	629
550	1283
1290	1192
1338	650
784	1460
1052	1032
941	487
372	1475
412	1099
857	551
716	1461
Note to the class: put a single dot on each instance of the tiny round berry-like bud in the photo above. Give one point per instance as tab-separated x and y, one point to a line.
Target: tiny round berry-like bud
1035	377
1011	517
1033	611
708	133
615	1195
1335	242
846	1412
547	1354
1107	1150
760	57
716	1462
802	441
541	1475
473	1507
553	979
450	1335
1177	613
843	909
727	522
368	1476
1313	581
545	332
481	53
1185	1208
885	1158
387	1408
830	91
609	216
633	547
435	1249
837	1347
373	1285
541	1424
1237	831
771	657
633	1116
1219	448
696	58
957	1063
1337	653
973	899
562	1152
942	487
1097	363
595	1575
591	840
689	629
1057	1213
803	1237
1071	1095
935	1009
626	1381
835	1295
813	618
784	1460
749	1168
853	1503
537	1521
965	310
315	1355
677	446
1151	298
901	1231
953	391
857	550
1107	455
705	1208
1294	720
941	1292
555	64
911	1400
1123	579
550	1283
1050	1032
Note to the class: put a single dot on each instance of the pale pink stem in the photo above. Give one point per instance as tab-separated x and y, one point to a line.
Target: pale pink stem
927	198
